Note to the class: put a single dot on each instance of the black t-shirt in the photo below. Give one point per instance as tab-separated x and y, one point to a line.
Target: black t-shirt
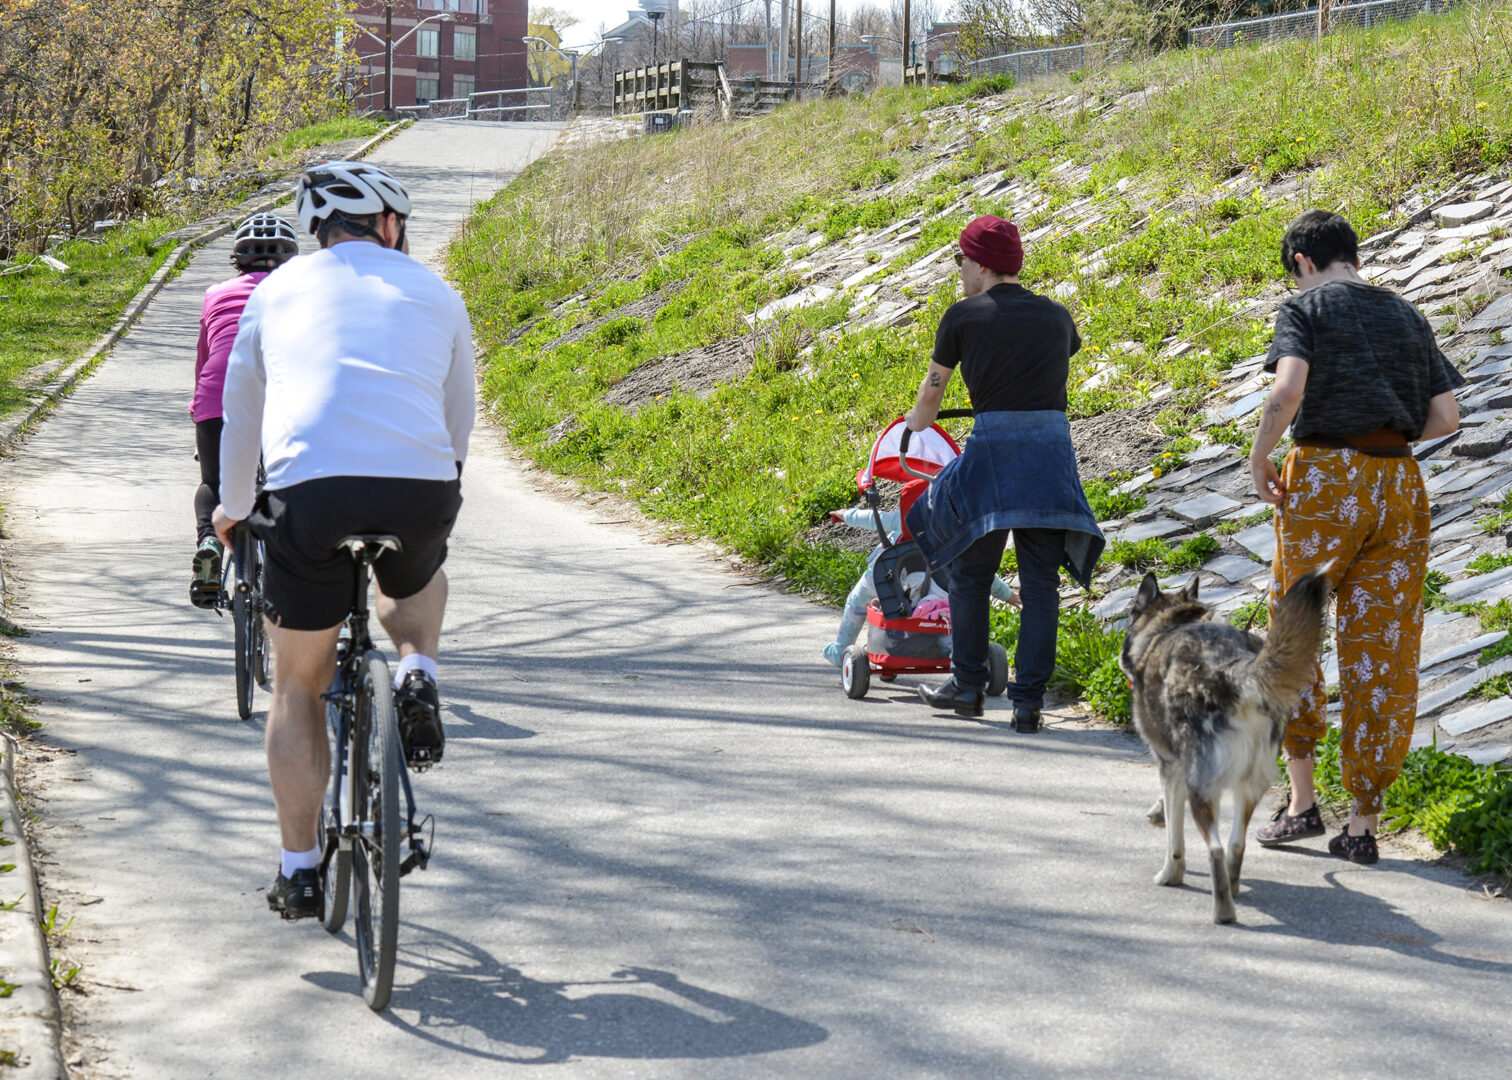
1372	360
1014	349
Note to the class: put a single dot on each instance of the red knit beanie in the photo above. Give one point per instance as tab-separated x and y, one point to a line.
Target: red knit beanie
994	242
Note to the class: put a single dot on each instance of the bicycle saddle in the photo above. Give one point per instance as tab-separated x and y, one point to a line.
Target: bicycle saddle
362	544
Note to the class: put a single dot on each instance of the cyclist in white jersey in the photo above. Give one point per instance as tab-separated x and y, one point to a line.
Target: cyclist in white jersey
352	376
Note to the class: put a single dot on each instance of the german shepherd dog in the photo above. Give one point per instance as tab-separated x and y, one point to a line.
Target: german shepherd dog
1211	701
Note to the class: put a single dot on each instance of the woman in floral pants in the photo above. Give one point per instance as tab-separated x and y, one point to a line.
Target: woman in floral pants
1359	377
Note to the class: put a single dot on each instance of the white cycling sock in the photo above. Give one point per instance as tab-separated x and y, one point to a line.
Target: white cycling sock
300	860
414	662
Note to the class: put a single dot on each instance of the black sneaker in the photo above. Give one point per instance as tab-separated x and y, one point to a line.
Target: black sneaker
1357	849
299	897
1287	829
204	587
420	731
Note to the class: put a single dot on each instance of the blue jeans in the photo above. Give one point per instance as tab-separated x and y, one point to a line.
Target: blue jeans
1040	554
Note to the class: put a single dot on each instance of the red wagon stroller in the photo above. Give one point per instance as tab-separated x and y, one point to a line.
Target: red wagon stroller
897	643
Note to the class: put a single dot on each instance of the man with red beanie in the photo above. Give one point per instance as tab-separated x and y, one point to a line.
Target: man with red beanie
1017	471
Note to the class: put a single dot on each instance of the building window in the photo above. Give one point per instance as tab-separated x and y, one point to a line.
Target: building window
426	89
464	44
428	41
462	85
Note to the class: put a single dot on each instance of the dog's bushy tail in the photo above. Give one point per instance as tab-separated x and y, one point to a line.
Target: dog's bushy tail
1287	664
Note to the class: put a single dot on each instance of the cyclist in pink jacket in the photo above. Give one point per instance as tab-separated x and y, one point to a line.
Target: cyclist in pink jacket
263	243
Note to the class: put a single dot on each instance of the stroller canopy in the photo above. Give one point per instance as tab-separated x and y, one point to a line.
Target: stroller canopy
929	451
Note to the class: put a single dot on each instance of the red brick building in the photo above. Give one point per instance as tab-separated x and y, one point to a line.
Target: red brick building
460	47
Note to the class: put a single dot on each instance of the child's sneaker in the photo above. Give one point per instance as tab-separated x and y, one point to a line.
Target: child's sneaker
834	652
204	589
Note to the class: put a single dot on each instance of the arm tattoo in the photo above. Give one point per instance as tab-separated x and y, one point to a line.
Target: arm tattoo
1268	418
934	378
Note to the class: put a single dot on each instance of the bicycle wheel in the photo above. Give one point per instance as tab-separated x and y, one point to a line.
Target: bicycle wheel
259	629
242	617
375	857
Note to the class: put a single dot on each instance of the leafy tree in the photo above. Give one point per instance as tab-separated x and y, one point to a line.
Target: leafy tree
100	99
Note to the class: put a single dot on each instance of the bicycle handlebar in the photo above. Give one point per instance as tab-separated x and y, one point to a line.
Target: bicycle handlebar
943	414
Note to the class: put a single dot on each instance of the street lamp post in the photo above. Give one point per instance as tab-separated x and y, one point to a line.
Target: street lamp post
570	57
389	45
656	18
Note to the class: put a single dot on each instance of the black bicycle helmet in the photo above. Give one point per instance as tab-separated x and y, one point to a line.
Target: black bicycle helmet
263	242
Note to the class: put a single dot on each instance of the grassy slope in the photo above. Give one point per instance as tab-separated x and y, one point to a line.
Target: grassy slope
1178	175
1177	255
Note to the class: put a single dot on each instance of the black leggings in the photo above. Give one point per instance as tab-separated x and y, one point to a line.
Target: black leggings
207	435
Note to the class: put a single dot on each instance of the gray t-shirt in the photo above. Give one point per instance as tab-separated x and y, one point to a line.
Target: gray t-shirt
1372	360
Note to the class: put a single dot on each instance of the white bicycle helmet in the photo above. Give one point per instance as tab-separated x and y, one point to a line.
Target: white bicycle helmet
264	240
349	189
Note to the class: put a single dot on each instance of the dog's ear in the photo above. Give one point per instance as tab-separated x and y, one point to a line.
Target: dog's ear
1149	592
1189	591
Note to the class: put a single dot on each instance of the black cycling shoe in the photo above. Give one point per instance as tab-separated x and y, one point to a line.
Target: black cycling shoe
1026	719
204	588
420	731
965	701
299	897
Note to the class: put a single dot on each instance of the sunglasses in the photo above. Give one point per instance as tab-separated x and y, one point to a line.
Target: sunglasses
959	258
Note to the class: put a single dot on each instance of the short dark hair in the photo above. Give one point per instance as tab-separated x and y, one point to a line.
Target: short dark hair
1324	237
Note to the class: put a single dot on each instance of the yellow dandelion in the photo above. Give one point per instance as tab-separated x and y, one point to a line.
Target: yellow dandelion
1157	471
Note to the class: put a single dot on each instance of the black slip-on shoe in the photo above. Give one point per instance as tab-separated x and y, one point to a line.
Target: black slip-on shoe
1026	719
1286	829
420	733
963	700
1357	849
298	897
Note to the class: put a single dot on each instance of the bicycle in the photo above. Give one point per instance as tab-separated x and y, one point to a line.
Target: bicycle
360	824
242	593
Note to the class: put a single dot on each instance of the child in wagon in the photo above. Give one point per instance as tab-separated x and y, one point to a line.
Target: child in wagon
865	590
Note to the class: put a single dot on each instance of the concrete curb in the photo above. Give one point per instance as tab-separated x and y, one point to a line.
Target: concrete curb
30	1020
29	1025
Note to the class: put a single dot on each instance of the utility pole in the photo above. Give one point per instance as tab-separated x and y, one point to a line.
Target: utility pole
783	42
798	35
388	58
770	71
829	68
907	31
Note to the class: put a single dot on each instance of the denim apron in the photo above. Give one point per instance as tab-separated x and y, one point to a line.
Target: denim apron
1018	471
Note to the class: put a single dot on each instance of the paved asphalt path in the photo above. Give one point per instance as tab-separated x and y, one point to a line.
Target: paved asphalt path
667	845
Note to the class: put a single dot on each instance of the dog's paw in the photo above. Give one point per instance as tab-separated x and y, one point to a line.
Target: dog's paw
1172	873
1155	815
1224	913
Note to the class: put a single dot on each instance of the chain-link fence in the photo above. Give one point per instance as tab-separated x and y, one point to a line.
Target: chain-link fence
1305	23
1043	63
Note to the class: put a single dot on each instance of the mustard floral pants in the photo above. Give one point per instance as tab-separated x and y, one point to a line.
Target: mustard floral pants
1370	516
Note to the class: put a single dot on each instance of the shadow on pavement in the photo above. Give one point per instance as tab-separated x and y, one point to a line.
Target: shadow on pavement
1313	912
465	1000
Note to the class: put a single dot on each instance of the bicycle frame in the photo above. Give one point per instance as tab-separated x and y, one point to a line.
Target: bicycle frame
341	700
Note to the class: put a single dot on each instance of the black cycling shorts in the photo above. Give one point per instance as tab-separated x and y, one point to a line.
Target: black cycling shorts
310	580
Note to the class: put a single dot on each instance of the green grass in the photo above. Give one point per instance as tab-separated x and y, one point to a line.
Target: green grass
1459	806
756	462
45	315
1156	554
322	134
